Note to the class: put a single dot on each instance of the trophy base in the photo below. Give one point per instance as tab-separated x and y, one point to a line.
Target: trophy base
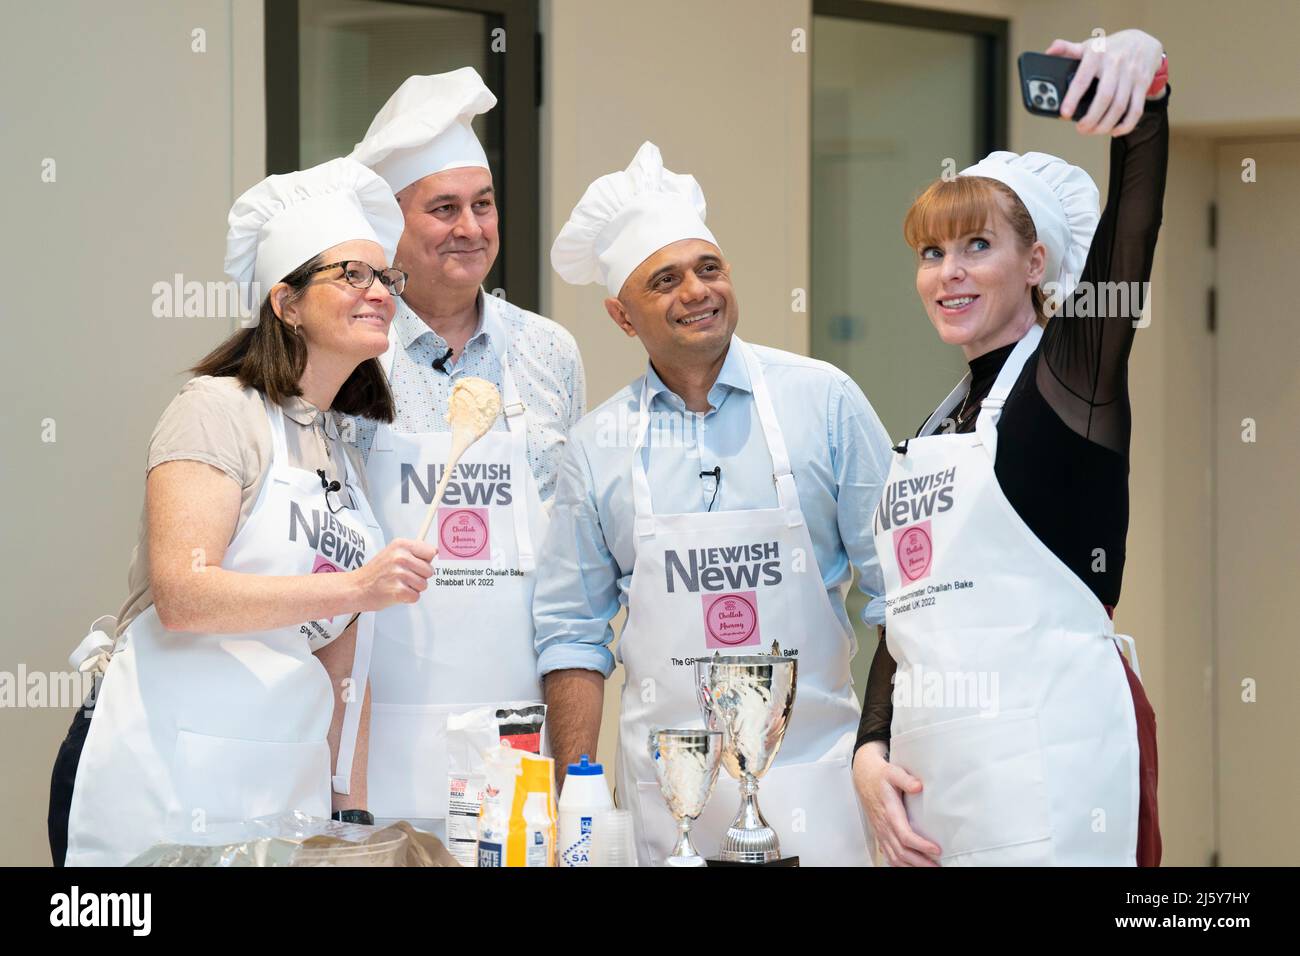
784	861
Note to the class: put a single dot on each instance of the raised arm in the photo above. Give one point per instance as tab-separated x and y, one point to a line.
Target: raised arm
1084	372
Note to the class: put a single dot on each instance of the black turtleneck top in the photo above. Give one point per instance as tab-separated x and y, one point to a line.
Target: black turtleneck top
1063	438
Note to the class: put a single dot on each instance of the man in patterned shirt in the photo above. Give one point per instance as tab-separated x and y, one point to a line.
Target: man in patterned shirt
468	641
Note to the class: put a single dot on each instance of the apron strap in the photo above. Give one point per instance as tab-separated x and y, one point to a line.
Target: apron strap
364	646
275	416
1122	640
645	522
945	407
390	354
986	426
96	648
786	492
361	654
382	440
359	501
517	424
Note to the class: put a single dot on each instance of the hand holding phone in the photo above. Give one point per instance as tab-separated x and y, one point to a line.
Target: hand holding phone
1100	83
1044	81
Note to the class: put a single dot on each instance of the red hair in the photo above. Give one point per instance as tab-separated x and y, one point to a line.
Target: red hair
951	208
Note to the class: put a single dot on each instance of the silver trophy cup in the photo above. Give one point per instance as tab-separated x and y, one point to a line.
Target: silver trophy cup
686	766
749	699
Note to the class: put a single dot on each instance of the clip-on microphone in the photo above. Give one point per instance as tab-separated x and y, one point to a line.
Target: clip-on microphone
716	472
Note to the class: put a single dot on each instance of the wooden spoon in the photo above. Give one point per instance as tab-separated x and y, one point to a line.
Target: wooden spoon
474	406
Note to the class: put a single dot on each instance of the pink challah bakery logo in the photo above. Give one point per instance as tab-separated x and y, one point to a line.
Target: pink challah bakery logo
914	551
322	565
730	620
463	534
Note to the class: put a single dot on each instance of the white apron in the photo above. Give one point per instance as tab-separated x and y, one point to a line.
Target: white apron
768	588
196	729
1011	703
468	641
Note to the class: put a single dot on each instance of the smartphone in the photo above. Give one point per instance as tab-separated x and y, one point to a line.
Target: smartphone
1044	81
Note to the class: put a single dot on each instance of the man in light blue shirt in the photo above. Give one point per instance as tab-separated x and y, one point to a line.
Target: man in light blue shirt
692	521
829	427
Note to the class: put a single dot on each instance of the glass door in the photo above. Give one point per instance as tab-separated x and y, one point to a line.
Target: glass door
331	64
895	93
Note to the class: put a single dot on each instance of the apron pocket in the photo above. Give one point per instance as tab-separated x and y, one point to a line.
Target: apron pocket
227	779
984	787
812	807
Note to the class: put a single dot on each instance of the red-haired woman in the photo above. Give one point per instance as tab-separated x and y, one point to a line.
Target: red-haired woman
1016	732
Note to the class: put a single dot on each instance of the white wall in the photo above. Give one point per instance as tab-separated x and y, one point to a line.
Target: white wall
151	143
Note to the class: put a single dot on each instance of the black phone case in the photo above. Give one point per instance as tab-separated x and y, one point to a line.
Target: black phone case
1058	70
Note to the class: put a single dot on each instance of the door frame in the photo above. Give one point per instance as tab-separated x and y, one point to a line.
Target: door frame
988	86
520	88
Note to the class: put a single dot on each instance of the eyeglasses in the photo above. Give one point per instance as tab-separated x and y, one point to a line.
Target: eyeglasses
361	275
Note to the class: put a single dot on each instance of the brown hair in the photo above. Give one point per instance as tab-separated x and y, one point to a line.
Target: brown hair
950	208
271	358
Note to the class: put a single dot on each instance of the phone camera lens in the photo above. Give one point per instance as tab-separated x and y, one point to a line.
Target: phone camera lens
1038	100
1051	102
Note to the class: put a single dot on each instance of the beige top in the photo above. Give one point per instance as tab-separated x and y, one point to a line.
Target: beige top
222	423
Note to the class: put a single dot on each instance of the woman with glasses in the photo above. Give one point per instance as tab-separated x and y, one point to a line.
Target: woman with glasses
234	684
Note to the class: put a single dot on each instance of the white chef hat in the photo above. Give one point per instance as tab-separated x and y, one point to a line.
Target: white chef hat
285	220
424	128
1060	198
624	218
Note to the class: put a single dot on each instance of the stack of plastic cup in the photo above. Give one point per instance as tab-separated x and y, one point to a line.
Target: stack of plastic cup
612	840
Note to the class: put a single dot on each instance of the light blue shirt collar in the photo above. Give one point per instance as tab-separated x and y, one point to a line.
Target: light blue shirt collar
733	376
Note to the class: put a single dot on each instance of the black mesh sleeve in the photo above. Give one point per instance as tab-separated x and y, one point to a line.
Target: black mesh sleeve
1083	374
877	701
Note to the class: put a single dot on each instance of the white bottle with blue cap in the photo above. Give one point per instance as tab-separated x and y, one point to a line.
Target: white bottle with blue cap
585	794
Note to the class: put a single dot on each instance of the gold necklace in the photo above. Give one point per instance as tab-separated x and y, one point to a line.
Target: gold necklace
961	414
